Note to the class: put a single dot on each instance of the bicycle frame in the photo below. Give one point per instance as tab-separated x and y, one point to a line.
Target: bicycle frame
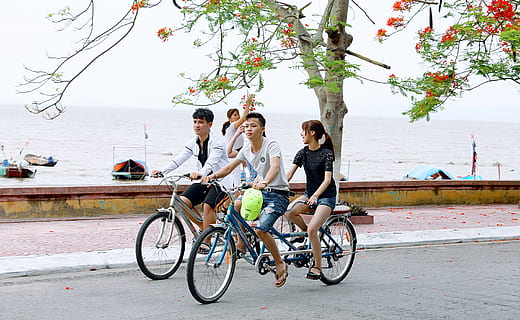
235	222
177	208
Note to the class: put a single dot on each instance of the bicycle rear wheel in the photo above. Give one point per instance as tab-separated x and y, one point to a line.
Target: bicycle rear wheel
338	255
159	246
209	275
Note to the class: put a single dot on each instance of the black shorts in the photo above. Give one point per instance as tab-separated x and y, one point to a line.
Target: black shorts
198	193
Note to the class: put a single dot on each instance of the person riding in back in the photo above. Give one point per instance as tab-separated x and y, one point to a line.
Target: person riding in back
232	134
320	192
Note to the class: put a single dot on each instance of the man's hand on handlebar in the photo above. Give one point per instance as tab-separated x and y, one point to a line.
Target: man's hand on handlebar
195	176
157	174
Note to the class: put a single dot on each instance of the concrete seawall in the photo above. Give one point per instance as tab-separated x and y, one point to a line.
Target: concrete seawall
55	202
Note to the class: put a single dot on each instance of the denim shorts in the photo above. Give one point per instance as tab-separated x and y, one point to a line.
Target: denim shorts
329	202
274	206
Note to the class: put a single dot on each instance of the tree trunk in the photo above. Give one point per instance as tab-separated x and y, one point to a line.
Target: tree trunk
333	111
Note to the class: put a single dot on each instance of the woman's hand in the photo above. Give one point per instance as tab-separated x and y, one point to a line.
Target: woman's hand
312	200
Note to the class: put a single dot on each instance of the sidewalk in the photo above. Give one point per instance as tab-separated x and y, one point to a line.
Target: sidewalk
48	246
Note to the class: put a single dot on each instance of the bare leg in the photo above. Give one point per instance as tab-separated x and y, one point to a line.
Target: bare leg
296	208
209	216
319	217
240	244
192	219
270	244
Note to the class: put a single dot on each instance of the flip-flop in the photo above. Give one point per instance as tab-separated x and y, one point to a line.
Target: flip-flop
240	253
314	275
300	239
204	248
283	274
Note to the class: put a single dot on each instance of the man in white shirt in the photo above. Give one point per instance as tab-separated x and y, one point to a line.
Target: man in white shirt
211	155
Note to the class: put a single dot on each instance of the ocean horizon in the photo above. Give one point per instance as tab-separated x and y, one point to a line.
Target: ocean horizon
88	140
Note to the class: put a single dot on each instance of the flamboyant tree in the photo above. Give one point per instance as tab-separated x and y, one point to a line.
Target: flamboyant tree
479	45
246	38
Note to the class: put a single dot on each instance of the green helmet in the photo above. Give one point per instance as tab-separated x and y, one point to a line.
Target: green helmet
251	204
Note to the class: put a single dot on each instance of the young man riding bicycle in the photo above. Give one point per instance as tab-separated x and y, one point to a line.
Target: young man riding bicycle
209	151
265	156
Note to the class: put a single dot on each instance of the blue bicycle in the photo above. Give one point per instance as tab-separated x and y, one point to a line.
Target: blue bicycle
209	275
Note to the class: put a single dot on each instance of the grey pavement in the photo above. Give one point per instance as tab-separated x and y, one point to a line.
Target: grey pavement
80	261
393	227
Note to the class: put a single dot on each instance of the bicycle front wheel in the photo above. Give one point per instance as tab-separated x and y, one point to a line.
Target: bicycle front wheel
337	254
209	274
159	247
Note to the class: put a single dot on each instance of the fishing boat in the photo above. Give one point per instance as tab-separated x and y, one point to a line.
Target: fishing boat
130	169
36	160
16	172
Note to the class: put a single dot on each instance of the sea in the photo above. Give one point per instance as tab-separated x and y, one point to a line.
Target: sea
87	141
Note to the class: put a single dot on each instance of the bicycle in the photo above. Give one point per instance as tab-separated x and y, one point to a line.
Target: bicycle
209	275
161	240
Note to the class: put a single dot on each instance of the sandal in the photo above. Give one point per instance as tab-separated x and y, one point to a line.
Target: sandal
240	253
279	280
312	275
204	248
300	239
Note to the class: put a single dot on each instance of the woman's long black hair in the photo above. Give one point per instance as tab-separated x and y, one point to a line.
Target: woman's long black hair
319	129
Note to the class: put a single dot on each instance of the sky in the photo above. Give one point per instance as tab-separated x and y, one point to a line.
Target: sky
143	71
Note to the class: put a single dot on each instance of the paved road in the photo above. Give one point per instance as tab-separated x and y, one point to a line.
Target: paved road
463	281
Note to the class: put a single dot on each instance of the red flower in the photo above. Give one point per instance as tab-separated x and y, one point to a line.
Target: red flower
403	5
501	10
395	22
381	33
138	5
164	33
427	31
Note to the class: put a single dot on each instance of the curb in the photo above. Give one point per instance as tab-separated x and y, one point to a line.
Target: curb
22	266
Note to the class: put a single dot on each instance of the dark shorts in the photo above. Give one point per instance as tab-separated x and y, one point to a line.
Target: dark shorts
198	193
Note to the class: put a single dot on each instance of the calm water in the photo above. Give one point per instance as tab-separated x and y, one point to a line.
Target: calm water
374	149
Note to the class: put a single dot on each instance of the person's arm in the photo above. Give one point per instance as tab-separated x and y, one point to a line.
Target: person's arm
232	153
222	172
291	172
323	186
297	162
177	161
247	107
271	174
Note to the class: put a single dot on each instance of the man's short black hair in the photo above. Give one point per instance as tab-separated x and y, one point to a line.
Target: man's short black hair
203	114
258	116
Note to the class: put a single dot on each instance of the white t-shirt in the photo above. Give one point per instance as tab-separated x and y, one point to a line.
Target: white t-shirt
261	162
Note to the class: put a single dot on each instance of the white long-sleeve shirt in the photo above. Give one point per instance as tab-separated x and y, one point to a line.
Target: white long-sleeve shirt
217	157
